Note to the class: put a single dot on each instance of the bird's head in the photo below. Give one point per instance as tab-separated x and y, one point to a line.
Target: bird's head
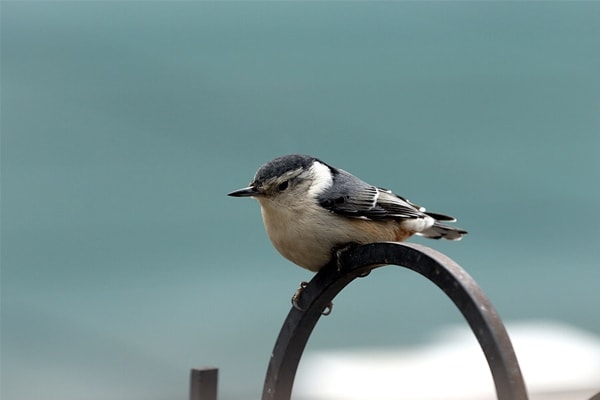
288	181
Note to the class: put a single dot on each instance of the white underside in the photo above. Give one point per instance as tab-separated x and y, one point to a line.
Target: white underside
307	235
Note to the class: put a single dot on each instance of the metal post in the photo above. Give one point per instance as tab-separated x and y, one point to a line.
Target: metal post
203	384
439	269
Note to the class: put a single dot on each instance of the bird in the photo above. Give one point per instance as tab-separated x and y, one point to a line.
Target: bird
311	209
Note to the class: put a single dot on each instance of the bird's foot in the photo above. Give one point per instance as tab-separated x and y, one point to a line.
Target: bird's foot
298	294
338	251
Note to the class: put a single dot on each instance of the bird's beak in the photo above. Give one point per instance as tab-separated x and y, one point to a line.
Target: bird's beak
245	192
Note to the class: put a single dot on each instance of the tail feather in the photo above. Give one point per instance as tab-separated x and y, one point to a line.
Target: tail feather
439	231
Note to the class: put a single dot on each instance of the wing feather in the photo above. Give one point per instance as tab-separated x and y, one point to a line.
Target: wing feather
353	197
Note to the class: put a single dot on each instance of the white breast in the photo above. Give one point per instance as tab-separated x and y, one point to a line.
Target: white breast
307	236
303	237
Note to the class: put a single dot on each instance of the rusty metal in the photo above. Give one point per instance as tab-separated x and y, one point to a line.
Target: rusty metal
358	261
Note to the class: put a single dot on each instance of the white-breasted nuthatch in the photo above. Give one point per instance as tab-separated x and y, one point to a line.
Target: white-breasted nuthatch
310	209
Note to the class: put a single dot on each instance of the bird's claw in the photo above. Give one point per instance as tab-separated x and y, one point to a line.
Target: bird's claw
298	294
341	250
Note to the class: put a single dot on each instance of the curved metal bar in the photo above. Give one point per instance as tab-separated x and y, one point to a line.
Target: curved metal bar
360	260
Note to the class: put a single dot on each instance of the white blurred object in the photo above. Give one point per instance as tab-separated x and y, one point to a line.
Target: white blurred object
557	361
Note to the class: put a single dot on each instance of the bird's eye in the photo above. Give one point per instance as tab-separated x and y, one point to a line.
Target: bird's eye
282	186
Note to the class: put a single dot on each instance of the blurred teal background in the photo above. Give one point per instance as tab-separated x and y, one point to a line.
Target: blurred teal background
124	125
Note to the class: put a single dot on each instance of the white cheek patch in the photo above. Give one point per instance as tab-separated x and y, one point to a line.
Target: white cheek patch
322	179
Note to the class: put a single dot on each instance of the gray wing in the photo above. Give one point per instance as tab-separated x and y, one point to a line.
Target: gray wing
353	197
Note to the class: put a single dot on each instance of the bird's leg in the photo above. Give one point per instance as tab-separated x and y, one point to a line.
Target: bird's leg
296	299
338	251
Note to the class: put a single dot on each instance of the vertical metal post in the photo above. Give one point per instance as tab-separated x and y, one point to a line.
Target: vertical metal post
203	384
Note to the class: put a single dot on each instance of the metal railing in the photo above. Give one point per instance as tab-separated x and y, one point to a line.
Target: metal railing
358	262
